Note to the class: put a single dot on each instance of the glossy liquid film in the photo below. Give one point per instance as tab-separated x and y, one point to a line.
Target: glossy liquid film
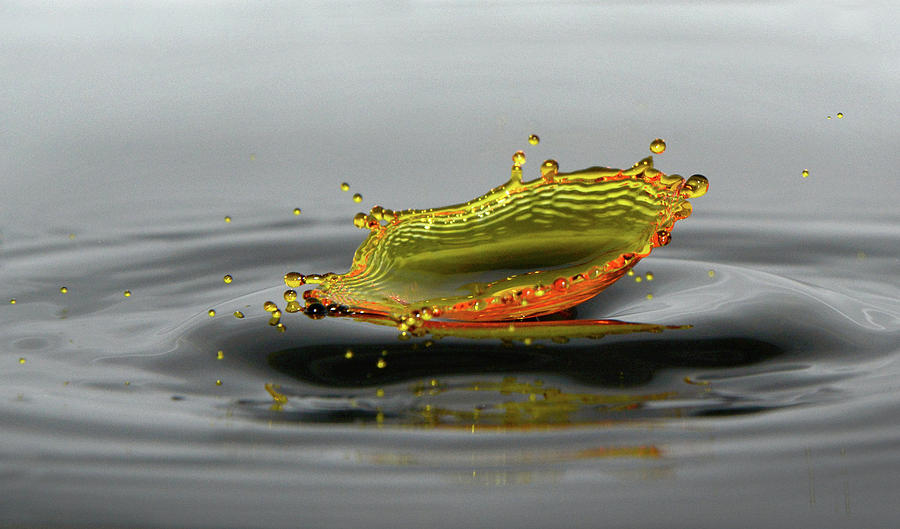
522	250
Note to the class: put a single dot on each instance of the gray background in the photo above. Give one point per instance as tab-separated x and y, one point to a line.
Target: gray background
116	111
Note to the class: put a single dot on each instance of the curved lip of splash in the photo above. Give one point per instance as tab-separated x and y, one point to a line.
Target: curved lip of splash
650	202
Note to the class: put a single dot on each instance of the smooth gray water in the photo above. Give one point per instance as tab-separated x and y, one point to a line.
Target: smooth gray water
131	131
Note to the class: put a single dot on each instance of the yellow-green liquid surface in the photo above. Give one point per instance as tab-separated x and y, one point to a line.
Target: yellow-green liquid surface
522	250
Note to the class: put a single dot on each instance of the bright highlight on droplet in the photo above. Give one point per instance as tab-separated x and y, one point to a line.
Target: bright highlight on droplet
649	276
349	354
840	115
658	146
227	218
518	158
227	279
22	360
294	279
238	314
270	306
12	301
63	290
805	173
345	186
381	364
211	312
127	293
357	198
297	211
218	382
534	139
290	295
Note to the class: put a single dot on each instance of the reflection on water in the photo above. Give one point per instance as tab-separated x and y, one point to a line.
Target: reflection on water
784	375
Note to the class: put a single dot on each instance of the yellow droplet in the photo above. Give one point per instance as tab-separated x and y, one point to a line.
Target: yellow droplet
238	314
252	157
12	301
527	341
805	173
297	211
292	307
549	168
638	279
630	273
534	139
127	293
294	279
211	312
220	354
63	290
518	158
270	306
349	354
712	273
840	115
218	382
658	146
280	327
381	364
860	255
227	279
357	198
71	236
827	117
345	186
22	360
379	392
649	276
649	296
227	218
290	295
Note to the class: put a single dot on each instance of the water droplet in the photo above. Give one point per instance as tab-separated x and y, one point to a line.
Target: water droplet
381	364
840	115
649	296
515	174
316	311
658	146
12	301
297	211
294	280
696	186
63	290
638	279
379	392
345	186
227	218
22	360
649	276
220	354
805	173
218	382
290	295
280	327
71	236
549	169
827	117
238	314
711	273
357	198
534	139
630	272
292	307
518	158
270	306
349	354
211	312
127	293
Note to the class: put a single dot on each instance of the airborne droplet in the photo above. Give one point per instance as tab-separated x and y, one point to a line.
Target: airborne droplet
294	280
804	173
227	279
357	198
658	146
534	139
345	186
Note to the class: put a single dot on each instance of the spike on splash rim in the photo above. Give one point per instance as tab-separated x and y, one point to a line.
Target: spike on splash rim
522	250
